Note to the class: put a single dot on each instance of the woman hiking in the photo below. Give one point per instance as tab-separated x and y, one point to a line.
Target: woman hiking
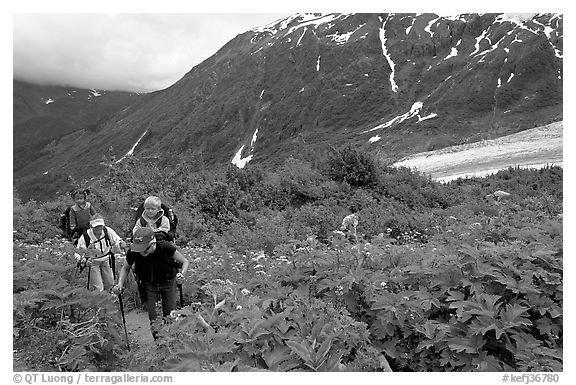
159	266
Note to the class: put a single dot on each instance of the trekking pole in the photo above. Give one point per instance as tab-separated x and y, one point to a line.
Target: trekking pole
112	263
181	296
88	283
123	319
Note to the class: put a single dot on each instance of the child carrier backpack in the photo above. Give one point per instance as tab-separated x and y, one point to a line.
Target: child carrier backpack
168	213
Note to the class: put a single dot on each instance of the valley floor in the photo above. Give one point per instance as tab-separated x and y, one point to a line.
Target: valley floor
533	148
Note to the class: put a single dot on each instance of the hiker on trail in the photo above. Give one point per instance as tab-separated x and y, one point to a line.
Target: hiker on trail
96	248
154	217
80	213
156	264
349	224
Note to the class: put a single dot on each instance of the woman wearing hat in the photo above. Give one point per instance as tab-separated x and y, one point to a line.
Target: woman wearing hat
159	265
98	245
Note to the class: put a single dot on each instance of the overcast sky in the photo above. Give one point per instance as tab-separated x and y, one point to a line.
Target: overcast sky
132	52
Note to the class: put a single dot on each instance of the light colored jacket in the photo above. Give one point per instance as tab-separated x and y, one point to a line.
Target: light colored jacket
151	222
99	244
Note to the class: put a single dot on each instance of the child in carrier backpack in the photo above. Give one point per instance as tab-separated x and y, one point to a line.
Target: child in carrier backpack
154	217
80	213
97	246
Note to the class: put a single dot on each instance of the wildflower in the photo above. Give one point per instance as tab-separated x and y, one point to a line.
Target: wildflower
339	232
261	272
383	284
258	266
239	307
245	291
218	288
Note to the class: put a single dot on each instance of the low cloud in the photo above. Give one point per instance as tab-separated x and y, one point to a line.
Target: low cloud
132	52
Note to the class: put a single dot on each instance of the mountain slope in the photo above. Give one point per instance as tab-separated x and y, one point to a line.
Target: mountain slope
393	84
42	114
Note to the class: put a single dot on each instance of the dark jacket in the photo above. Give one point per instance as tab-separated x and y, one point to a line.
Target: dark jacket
158	267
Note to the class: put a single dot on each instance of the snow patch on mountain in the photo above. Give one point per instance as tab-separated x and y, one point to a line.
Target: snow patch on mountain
374	139
517	18
238	160
453	53
313	20
343	38
254	137
478	40
429	26
414	110
432	115
386	55
301	36
131	151
411	26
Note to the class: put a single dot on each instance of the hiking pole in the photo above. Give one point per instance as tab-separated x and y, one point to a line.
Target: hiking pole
112	263
181	296
123	319
88	283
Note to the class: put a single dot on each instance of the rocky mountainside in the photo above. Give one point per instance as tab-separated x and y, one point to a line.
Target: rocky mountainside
392	84
43	114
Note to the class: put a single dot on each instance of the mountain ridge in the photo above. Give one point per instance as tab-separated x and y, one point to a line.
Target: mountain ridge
42	114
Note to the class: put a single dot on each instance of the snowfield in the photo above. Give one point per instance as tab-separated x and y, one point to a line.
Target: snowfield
533	148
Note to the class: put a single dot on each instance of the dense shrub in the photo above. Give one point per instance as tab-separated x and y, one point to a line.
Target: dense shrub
351	166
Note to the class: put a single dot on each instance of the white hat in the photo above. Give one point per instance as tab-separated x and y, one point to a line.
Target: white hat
97	222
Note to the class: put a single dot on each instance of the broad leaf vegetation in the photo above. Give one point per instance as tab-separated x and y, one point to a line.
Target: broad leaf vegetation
436	277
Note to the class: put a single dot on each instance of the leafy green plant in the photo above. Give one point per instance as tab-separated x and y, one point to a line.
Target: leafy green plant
69	327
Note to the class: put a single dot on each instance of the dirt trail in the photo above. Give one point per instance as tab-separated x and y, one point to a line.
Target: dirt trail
138	328
533	148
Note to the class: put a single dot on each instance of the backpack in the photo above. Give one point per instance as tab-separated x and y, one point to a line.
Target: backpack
168	213
87	237
111	256
64	223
